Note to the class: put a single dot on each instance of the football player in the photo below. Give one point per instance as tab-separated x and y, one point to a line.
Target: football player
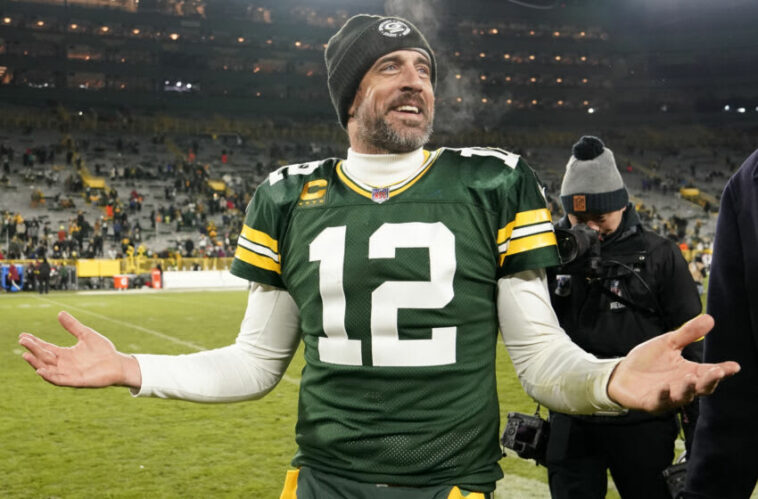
396	266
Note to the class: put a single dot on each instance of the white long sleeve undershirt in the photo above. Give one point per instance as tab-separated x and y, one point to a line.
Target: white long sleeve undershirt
552	369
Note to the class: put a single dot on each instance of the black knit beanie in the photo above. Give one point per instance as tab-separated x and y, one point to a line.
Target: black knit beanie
592	183
356	47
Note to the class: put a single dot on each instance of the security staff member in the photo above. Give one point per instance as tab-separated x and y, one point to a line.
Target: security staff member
637	287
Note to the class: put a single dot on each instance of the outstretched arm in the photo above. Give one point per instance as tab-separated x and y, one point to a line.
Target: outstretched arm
92	363
556	372
248	369
655	377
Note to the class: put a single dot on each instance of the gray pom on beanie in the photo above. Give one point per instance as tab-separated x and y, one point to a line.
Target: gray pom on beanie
355	48
592	183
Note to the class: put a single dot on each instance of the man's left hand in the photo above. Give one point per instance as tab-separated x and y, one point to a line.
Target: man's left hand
654	376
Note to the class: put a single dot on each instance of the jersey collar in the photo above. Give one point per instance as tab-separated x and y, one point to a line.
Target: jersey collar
365	173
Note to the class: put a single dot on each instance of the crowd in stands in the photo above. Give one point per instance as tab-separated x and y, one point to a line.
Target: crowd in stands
164	195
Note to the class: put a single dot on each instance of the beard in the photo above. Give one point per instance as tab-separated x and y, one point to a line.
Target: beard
380	134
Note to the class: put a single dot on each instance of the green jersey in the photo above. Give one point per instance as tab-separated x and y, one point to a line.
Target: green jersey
396	289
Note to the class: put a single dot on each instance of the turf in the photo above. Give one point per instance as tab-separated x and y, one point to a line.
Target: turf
59	442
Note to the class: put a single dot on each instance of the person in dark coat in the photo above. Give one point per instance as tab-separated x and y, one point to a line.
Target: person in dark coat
44	276
635	285
724	462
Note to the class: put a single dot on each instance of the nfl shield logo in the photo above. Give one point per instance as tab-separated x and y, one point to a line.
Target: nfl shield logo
380	195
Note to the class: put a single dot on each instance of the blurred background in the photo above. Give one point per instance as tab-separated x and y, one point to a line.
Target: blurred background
137	130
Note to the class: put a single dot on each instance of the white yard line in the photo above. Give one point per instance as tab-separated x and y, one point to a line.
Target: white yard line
151	332
192	302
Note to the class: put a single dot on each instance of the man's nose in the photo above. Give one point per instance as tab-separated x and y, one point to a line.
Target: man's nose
593	225
411	79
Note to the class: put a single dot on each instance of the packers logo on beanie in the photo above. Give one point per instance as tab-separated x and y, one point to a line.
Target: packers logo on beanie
592	183
355	48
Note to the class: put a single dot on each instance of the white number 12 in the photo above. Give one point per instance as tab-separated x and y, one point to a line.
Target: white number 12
387	348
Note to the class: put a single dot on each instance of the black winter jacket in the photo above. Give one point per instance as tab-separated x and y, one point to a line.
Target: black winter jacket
642	289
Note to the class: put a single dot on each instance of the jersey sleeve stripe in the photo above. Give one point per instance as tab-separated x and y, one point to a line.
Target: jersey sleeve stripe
257	248
523	218
258	237
252	258
525	232
529	243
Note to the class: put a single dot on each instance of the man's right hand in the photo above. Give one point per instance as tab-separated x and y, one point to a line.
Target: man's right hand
93	362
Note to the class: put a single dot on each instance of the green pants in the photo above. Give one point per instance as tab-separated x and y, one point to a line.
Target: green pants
307	483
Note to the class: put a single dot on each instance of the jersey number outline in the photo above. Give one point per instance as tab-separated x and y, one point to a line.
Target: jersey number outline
387	349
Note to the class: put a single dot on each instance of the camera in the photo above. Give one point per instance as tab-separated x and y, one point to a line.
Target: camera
579	249
676	476
527	435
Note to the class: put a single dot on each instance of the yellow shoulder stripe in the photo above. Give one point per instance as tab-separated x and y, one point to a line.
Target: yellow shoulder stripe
523	218
258	237
529	243
257	260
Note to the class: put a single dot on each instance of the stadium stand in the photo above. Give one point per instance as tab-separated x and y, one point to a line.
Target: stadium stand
139	130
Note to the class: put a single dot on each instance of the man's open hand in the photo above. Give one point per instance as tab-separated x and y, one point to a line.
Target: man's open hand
92	362
655	377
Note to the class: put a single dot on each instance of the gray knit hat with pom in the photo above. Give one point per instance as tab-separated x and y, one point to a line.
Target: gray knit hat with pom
592	183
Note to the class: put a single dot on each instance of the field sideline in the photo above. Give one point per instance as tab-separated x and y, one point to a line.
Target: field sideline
58	442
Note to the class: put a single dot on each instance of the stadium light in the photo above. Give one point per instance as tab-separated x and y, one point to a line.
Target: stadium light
7	20
741	110
727	108
591	110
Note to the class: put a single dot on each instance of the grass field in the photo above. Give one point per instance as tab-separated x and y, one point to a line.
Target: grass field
58	442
